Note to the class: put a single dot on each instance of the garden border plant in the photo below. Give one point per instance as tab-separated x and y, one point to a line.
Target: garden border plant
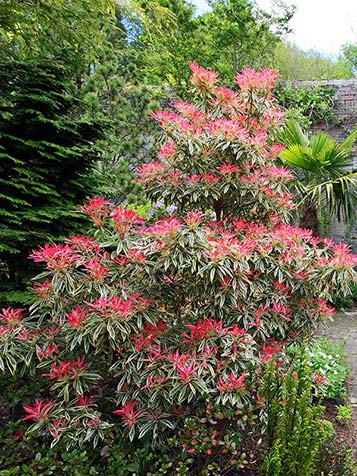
161	330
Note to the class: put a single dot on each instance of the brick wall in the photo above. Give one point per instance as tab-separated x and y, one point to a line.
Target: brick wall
345	121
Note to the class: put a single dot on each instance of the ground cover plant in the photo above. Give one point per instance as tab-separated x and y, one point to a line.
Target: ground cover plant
329	361
162	333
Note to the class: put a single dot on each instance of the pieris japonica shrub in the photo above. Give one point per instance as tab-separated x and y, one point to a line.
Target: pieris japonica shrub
156	327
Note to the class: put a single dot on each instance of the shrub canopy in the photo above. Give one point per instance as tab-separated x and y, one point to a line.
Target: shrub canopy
152	325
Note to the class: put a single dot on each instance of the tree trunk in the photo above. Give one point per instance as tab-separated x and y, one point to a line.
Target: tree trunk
309	218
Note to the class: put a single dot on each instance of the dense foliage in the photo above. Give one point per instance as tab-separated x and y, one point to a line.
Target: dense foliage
164	331
116	57
23	455
295	64
47	154
67	32
161	337
232	35
307	105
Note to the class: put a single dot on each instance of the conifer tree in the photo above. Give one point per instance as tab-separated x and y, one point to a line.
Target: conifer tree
47	155
116	93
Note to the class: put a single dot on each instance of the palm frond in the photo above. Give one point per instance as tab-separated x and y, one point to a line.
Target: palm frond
320	143
326	165
338	197
347	144
299	156
337	161
293	135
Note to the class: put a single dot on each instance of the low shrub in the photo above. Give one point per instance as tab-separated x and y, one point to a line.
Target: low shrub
295	428
328	361
343	303
26	455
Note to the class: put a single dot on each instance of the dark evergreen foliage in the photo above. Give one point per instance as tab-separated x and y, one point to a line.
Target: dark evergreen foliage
47	152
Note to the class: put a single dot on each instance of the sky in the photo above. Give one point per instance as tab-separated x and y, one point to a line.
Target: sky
322	25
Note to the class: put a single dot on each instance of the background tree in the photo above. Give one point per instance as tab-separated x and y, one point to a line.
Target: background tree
294	64
47	157
233	35
70	32
165	57
116	93
349	52
243	35
67	32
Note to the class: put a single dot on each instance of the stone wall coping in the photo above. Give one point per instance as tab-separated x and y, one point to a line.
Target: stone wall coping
322	82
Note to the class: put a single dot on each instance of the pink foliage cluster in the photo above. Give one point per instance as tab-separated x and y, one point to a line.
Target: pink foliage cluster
67	370
220	118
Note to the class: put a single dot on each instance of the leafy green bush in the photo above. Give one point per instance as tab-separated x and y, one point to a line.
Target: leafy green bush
328	361
307	106
346	302
344	412
295	428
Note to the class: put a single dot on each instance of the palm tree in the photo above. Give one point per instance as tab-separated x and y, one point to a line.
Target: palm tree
325	182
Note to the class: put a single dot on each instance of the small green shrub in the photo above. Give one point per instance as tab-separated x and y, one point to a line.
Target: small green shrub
342	303
295	429
328	361
344	412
